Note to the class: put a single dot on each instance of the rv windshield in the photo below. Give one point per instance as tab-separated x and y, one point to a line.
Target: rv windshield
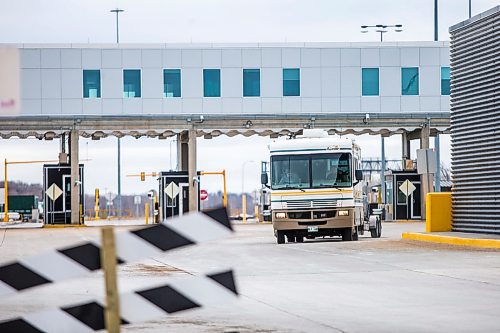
311	171
290	172
331	170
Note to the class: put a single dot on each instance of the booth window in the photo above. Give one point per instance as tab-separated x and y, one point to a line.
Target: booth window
370	81
171	83
251	82
211	82
91	83
402	199
131	83
291	82
445	80
409	81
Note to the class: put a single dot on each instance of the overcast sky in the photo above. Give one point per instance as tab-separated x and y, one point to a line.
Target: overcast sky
71	21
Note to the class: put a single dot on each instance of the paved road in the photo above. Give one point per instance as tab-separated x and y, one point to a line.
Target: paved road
373	285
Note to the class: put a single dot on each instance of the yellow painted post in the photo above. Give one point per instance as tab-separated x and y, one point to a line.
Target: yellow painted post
96	205
244	207
146	211
225	191
108	259
438	212
6	194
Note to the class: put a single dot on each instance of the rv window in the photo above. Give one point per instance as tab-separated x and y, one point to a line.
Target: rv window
331	170
290	172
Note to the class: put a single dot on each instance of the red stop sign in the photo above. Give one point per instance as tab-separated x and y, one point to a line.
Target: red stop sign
203	195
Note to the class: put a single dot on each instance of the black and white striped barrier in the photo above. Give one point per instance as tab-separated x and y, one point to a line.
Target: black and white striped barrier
57	265
137	306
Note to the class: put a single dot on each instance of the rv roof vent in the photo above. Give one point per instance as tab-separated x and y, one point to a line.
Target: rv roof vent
315	133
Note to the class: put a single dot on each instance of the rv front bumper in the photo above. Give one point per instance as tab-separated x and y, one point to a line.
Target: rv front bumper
304	219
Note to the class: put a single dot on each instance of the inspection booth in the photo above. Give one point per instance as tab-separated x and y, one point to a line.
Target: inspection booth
176	183
398	205
57	193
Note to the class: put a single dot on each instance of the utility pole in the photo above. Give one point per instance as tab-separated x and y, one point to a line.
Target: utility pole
470	8
435	20
119	197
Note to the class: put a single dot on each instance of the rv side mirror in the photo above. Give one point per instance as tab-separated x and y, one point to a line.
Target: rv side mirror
359	175
263	178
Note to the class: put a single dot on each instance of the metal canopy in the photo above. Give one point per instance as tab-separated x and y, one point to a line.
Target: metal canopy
212	125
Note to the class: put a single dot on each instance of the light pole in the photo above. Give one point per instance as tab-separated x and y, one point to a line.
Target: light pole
243	194
118	11
382	29
435	20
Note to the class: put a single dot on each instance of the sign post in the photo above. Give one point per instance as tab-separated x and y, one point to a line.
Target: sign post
137	202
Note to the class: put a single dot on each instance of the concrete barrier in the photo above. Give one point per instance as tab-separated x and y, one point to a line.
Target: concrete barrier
438	212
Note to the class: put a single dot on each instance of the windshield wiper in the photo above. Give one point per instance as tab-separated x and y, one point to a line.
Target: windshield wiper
330	186
291	188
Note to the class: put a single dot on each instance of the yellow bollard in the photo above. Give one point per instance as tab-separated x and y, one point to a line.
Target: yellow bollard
438	212
146	211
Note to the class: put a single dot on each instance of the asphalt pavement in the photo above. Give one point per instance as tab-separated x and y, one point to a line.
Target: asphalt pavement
324	285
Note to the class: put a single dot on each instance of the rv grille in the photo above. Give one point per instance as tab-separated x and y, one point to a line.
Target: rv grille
311	204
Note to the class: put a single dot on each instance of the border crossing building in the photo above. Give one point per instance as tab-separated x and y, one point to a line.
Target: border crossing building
193	90
123	79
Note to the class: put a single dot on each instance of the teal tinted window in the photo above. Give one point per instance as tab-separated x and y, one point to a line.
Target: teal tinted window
131	83
251	82
171	83
291	82
211	82
91	83
445	80
409	81
370	83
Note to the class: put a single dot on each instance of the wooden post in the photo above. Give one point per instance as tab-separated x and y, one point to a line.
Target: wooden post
108	259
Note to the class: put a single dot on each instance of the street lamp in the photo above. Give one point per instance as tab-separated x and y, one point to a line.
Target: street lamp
243	194
382	29
118	11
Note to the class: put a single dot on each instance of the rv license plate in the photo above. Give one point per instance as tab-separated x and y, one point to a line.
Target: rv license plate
312	229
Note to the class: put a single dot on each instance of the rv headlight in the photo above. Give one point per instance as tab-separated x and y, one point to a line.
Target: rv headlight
281	215
343	213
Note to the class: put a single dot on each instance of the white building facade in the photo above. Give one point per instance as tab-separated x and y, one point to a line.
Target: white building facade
310	78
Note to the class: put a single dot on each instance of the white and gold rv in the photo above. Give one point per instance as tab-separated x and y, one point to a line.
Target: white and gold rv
316	187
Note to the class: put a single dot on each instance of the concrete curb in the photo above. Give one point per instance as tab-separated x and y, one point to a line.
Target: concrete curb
58	226
451	240
22	225
405	221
